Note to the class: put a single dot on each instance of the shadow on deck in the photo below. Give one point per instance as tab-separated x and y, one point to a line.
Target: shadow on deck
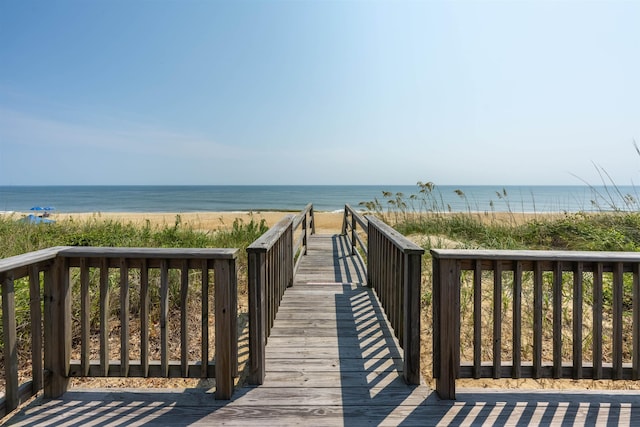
248	407
332	359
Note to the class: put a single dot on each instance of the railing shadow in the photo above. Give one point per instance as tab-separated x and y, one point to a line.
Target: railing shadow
347	268
125	407
370	359
383	402
367	346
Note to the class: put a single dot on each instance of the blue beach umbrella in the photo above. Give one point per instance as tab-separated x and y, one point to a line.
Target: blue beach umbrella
40	208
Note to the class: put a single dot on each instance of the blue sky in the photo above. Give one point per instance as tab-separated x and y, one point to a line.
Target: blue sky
322	92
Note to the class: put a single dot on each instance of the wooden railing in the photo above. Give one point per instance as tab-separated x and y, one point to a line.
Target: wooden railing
272	263
394	266
350	223
531	298
29	265
64	270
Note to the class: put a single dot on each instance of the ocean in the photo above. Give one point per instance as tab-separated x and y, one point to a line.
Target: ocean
256	198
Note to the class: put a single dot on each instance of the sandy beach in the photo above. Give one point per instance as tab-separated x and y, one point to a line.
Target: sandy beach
326	222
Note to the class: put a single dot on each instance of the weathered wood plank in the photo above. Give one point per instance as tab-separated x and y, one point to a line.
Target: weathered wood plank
381	351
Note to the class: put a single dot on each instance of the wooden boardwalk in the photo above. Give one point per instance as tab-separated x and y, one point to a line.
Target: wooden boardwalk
331	360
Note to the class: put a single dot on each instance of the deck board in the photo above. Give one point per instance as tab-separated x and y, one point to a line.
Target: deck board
332	359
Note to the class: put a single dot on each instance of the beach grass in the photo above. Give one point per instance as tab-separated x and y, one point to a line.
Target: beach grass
427	221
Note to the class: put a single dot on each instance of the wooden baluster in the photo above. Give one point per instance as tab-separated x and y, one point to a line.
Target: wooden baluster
497	319
124	318
516	371
205	320
85	318
557	320
635	352
477	318
37	373
164	314
184	318
577	320
104	317
617	320
144	317
537	319
597	321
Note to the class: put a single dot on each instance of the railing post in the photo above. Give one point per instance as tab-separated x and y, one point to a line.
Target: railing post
305	234
313	220
288	248
353	234
35	304
411	309
345	217
446	314
371	255
10	342
226	335
57	329
257	314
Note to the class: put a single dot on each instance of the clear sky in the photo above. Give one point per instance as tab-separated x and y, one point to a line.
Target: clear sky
318	92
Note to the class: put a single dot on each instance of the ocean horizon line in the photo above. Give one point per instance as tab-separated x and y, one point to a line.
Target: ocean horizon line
326	198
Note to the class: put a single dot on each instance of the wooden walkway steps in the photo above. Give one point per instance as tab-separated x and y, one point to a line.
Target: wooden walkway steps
332	359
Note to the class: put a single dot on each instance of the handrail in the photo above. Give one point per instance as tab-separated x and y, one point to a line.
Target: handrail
394	266
556	273
272	263
62	269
